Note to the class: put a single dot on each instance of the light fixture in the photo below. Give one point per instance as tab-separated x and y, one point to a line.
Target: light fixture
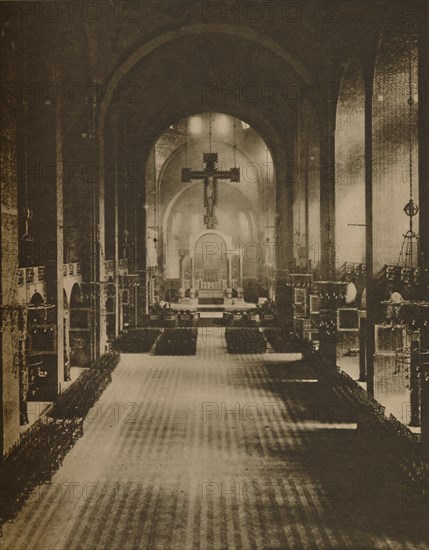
408	257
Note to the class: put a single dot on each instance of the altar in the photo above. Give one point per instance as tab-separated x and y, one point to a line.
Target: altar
211	268
211	290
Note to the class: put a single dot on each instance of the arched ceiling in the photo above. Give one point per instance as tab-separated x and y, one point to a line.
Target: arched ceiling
181	144
169	48
201	73
157	72
168	71
171	153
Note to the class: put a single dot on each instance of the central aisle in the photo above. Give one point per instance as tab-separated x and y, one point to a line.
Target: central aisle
213	451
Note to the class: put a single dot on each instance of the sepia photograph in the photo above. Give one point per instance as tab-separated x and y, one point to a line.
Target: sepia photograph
214	260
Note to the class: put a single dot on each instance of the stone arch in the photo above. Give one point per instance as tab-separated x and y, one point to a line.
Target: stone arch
242	32
268	127
36	299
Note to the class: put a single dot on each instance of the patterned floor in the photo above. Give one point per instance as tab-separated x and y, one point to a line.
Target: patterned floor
215	452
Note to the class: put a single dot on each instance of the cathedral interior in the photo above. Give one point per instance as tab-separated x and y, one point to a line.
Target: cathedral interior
214	274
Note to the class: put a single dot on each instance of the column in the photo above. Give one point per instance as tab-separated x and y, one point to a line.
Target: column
424	383
120	307
362	345
181	275
116	243
332	295
328	336
327	195
229	276
425	409
423	140
192	291
240	276
59	248
414	380
66	337
101	294
371	293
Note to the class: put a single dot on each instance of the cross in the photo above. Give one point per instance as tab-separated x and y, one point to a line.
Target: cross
210	175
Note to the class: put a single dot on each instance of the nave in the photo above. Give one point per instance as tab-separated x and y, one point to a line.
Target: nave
218	451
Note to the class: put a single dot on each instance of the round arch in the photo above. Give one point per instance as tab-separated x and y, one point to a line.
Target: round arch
36	299
147	130
76	296
258	183
245	33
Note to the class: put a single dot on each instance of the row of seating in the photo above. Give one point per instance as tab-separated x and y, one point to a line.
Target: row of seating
81	396
34	460
181	341
245	340
346	388
39	453
137	340
387	436
283	340
349	390
399	449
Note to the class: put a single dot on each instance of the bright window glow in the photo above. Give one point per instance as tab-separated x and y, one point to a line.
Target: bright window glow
195	223
177	220
244	226
195	125
221	124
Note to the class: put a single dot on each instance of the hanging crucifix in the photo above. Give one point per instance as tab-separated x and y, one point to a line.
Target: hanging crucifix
210	176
